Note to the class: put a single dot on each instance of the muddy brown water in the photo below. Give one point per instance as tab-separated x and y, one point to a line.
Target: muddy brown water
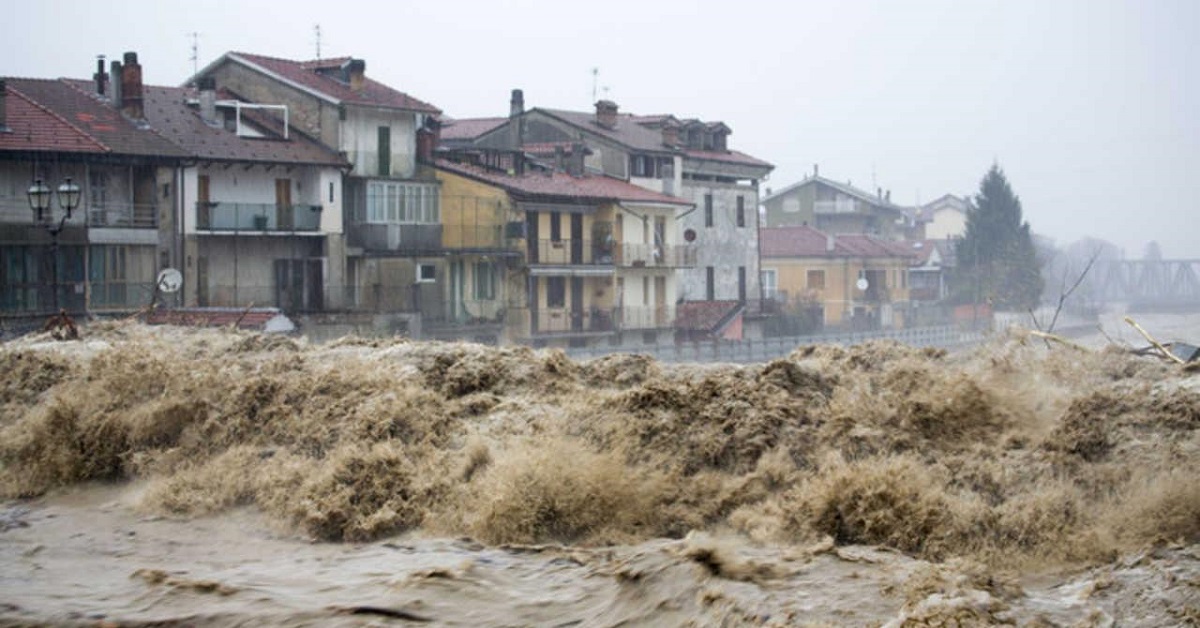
160	476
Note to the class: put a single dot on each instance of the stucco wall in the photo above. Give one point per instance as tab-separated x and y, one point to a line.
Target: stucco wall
724	246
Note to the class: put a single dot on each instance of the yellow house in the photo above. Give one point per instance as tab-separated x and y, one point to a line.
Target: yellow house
585	258
860	282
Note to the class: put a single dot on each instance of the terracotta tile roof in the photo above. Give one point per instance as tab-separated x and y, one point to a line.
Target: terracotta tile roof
727	156
307	75
32	127
469	128
805	241
167	111
543	149
844	188
95	117
628	131
705	315
561	185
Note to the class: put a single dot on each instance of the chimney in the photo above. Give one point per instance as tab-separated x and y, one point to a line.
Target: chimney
208	100
100	77
516	106
559	159
115	75
3	105
670	134
887	196
428	137
606	114
816	170
830	242
575	160
131	87
354	69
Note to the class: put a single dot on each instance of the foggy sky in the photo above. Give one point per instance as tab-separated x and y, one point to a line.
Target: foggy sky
1089	107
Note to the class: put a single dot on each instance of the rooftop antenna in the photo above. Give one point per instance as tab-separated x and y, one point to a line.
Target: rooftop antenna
195	58
317	32
595	77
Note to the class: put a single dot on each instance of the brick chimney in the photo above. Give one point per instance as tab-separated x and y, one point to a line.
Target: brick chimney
428	137
516	106
355	70
100	76
131	87
606	114
830	242
208	100
3	105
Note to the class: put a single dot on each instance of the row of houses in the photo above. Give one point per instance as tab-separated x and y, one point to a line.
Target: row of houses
348	205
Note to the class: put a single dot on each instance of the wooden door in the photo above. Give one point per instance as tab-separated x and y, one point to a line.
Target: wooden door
283	204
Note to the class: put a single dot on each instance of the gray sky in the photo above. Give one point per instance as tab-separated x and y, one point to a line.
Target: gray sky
1085	104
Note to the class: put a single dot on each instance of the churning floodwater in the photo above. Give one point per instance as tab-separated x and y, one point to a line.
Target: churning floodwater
171	476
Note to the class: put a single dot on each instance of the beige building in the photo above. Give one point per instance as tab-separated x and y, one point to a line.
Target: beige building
860	282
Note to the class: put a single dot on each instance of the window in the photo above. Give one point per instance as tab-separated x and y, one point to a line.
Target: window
556	291
741	211
770	283
485	281
98	187
385	151
742	284
816	280
402	203
426	273
710	284
331	191
555	227
708	211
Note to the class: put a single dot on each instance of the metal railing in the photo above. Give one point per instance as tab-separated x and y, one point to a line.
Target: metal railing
122	215
468	312
756	351
605	253
257	217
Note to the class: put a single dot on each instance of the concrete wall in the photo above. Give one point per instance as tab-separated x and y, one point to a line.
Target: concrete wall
724	246
946	223
311	114
360	141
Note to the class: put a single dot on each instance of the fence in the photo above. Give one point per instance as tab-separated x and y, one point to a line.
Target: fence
752	351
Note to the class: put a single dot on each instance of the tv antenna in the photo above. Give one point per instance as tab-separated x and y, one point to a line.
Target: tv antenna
317	34
195	58
595	77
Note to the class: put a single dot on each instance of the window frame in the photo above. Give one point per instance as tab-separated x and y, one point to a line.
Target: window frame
421	275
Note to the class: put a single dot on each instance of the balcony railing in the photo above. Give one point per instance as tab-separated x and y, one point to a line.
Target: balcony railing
565	320
122	215
604	253
656	255
257	217
465	313
474	237
391	237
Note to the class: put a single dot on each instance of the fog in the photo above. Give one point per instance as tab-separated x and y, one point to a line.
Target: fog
1083	104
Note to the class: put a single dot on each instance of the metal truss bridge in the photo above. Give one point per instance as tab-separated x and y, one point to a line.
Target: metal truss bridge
1169	283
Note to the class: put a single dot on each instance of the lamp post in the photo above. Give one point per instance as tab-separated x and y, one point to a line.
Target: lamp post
39	202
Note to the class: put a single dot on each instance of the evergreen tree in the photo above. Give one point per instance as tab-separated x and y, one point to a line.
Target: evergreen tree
997	261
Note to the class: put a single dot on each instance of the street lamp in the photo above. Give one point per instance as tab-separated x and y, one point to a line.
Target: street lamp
39	202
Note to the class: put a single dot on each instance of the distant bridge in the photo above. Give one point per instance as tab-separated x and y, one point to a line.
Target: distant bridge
1169	283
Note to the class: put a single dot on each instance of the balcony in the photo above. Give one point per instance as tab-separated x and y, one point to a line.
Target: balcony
840	206
601	320
571	252
396	238
656	255
122	215
465	313
267	217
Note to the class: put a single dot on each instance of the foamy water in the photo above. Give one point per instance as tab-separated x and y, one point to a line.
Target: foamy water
465	485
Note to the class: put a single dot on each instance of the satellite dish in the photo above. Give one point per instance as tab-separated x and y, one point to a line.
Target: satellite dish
169	280
862	284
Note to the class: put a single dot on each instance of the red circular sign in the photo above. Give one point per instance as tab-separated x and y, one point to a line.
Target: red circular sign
689	234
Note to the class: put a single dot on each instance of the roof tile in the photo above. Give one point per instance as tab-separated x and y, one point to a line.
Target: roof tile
558	184
305	73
